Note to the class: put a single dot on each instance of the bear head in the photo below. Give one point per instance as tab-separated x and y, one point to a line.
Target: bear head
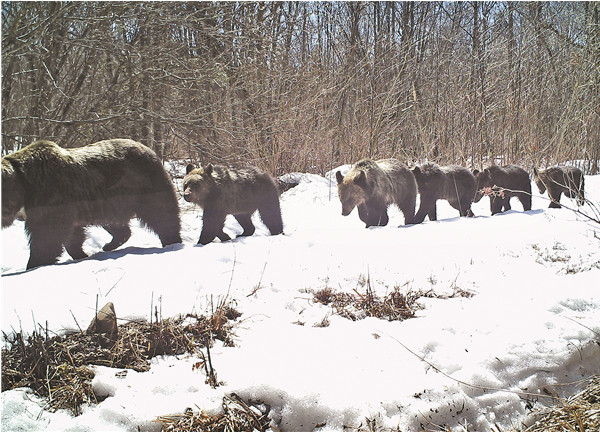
13	193
483	179
426	179
351	189
198	184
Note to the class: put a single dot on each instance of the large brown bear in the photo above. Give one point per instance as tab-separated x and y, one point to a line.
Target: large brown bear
558	180
221	191
512	181
64	190
373	186
452	183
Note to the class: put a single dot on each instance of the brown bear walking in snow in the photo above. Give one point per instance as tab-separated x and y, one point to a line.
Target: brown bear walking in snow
373	186
221	191
64	190
452	183
512	179
558	180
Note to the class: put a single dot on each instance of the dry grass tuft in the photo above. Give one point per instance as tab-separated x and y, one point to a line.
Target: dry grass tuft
71	387
51	367
237	416
579	413
395	306
57	367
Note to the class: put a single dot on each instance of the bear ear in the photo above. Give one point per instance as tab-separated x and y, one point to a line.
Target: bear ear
339	177
189	167
208	169
416	170
475	172
361	179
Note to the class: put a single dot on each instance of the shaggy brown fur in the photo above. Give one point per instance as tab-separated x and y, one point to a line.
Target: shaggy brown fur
373	185
514	181
221	191
559	180
64	190
452	183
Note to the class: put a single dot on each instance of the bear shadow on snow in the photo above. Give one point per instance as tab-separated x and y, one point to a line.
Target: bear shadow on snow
131	250
373	185
115	254
64	190
221	191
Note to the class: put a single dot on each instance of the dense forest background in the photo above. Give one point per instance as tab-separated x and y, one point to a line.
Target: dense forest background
307	86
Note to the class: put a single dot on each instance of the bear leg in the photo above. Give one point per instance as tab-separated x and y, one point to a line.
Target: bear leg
161	216
408	210
212	226
555	198
496	204
424	210
245	221
270	214
223	236
45	245
75	243
462	205
377	214
378	217
206	238
455	204
432	213
465	208
363	213
384	218
120	234
525	201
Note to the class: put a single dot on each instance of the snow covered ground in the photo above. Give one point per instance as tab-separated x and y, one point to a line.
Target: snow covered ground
532	325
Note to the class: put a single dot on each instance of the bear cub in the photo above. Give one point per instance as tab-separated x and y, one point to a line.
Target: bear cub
452	183
558	180
373	185
220	191
512	179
